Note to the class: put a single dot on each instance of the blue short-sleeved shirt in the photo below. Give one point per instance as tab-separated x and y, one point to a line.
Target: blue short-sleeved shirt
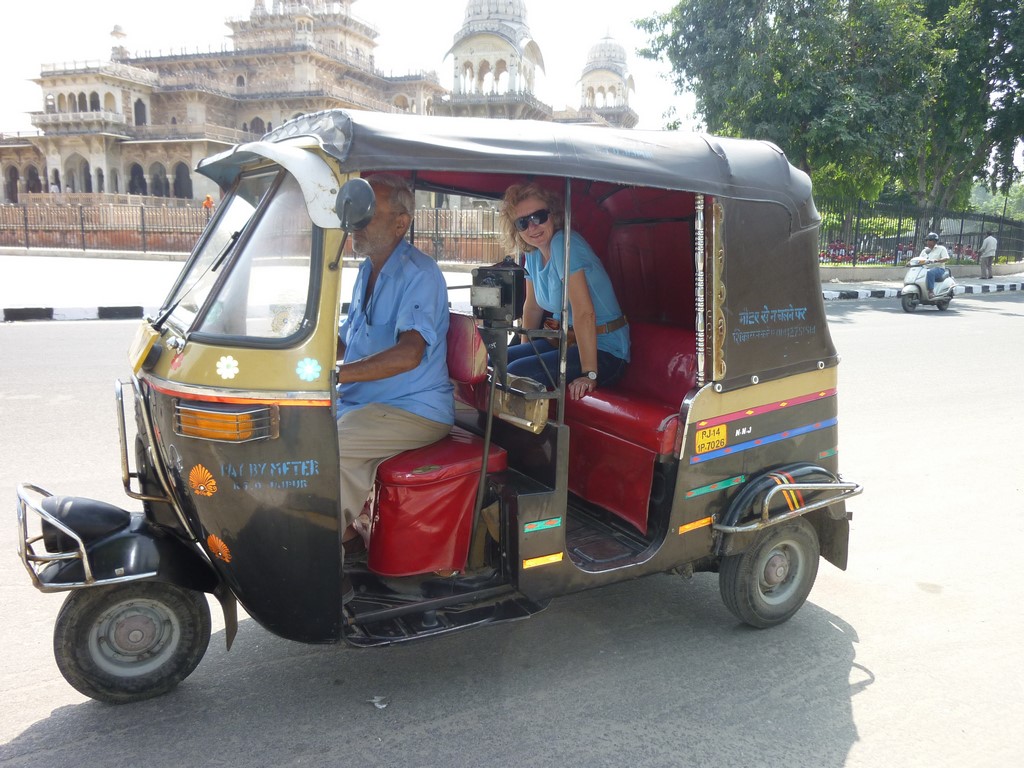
547	287
410	295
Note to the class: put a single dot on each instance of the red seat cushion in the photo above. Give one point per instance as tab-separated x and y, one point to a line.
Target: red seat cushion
423	505
630	417
458	454
467	358
643	406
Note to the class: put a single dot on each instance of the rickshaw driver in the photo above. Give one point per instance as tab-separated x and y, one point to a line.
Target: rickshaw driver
393	385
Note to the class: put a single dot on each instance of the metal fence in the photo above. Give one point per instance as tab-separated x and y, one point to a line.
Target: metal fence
101	227
857	232
451	235
463	236
852	232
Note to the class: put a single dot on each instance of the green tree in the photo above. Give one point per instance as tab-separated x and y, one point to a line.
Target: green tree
1005	74
858	92
1009	203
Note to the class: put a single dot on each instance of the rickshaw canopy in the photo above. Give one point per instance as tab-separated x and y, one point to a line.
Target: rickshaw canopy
699	163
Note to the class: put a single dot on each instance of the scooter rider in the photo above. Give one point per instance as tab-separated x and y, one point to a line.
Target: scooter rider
934	254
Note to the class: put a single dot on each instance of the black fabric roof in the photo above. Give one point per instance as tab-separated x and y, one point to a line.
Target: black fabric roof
736	168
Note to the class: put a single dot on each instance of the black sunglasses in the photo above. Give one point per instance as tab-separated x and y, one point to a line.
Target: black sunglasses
537	217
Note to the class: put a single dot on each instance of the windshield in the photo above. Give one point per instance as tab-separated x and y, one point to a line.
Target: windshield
266	292
195	285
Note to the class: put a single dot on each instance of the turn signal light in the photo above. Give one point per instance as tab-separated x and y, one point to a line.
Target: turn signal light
226	425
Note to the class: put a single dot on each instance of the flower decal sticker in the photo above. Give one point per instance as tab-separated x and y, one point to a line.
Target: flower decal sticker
227	367
201	481
308	369
176	361
218	548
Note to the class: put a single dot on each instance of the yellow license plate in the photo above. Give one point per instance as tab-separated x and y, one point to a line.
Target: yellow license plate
711	439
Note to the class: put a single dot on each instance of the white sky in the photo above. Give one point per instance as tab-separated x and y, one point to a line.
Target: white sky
414	36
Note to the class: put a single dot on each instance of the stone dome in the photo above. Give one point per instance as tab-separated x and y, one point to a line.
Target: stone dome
607	54
503	18
504	10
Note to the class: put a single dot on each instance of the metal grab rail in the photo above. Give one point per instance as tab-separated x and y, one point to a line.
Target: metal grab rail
846	491
35	562
27	553
126	473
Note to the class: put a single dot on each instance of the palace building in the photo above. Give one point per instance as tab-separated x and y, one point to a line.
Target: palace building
139	124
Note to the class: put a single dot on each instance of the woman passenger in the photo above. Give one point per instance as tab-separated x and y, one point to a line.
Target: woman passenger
532	219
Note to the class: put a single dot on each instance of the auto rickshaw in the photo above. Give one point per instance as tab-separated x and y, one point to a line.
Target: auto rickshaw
717	450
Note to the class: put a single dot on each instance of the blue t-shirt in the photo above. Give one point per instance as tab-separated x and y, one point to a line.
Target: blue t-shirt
410	295
547	287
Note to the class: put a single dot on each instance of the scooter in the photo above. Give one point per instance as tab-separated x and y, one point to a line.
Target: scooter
915	286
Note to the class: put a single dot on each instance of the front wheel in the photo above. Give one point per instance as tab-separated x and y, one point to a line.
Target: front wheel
909	302
131	641
768	583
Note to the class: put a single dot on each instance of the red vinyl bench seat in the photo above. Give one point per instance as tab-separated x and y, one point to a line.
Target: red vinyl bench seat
619	432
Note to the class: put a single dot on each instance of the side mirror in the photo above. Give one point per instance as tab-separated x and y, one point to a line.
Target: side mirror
356	204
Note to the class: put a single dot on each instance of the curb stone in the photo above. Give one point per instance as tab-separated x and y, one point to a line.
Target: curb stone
895	293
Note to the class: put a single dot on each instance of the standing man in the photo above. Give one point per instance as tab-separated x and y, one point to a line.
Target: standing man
393	385
986	254
933	253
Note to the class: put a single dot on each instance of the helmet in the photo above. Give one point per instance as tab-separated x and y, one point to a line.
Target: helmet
931	236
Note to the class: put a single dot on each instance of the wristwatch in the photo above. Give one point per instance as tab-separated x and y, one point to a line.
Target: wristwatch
592	375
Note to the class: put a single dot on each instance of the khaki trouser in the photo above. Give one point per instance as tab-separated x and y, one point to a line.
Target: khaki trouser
369	435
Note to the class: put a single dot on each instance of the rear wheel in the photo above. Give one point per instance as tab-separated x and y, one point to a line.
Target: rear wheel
909	302
942	305
131	641
768	583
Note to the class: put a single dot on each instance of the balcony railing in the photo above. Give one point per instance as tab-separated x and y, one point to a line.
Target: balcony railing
80	122
97	67
113	122
276	89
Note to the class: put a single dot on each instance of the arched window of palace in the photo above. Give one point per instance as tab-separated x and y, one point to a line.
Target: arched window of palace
140	112
501	76
159	185
182	182
11	185
94	102
137	180
485	78
258	126
32	181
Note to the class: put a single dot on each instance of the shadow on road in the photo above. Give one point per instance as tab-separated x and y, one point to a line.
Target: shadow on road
651	672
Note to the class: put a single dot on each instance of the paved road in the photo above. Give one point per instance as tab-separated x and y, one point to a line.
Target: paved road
909	658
